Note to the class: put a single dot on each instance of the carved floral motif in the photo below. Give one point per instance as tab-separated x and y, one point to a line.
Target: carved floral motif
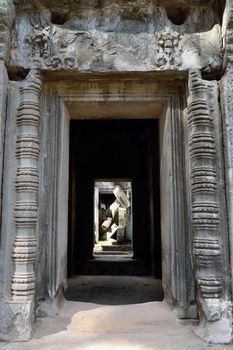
169	50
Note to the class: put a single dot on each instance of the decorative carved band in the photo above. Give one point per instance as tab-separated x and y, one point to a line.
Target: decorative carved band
26	206
210	287
27	146
202	145
204	180
27	179
206	251
199	115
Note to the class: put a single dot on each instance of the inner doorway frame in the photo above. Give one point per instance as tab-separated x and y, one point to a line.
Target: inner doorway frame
140	151
166	102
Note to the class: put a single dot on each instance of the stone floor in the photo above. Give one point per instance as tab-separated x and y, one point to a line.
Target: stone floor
113	313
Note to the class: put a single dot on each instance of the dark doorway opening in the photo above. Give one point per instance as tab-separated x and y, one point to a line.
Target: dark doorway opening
114	149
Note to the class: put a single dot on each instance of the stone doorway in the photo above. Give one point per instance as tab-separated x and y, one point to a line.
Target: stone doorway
123	150
120	99
121	60
117	99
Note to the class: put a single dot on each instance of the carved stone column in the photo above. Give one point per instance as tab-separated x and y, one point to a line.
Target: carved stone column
210	256
26	206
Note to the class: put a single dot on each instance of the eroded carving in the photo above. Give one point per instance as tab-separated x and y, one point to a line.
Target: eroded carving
50	43
169	49
112	36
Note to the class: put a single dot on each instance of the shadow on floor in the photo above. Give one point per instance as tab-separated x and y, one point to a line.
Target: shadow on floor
114	290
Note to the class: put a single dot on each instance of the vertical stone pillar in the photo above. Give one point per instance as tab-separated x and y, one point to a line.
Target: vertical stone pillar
209	254
26	206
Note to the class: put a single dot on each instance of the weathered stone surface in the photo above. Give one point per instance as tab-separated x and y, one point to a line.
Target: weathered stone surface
227	108
227	32
122	218
208	212
202	50
7	13
121	197
16	321
121	38
26	205
19	313
3	103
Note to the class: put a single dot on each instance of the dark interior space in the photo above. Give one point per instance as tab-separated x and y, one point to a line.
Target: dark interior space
112	149
114	290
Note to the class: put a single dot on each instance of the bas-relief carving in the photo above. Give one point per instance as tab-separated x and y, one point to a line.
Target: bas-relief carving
71	47
168	49
51	44
210	262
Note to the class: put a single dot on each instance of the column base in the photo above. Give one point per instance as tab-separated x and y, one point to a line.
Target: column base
16	319
217	331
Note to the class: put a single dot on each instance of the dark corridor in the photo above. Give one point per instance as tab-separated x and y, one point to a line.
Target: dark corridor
115	149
